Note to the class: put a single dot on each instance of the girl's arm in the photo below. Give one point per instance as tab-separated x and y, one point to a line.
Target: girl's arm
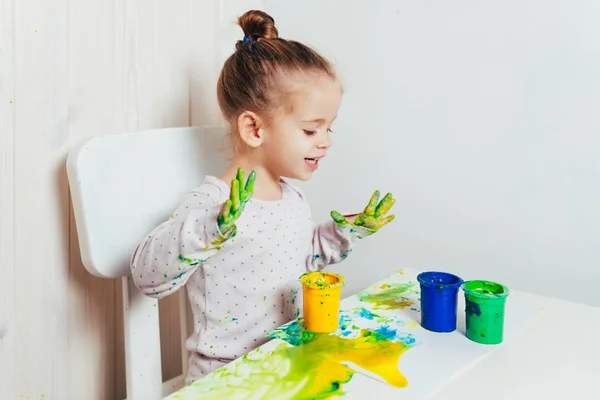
172	252
333	243
169	255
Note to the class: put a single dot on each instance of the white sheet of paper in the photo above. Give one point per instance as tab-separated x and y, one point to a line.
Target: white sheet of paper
436	358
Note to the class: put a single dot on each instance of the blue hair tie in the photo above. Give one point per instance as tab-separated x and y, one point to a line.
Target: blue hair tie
247	39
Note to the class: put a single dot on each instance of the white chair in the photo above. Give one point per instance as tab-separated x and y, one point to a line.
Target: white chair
122	186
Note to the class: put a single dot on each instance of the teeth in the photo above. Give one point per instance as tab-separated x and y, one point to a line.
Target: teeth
311	160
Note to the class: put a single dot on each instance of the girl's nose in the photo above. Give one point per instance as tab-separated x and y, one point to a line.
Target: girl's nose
324	141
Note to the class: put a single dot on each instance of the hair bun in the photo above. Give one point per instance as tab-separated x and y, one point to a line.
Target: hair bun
257	24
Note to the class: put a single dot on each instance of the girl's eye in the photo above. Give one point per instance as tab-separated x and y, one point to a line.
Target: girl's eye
309	133
329	130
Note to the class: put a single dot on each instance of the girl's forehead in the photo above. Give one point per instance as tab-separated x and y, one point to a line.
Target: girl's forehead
317	101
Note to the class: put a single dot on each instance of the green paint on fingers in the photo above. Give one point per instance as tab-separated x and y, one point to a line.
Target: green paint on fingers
374	215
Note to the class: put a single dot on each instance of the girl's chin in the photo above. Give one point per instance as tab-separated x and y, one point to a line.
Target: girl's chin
305	176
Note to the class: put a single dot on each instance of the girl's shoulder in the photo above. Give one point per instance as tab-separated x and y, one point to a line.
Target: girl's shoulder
212	191
292	189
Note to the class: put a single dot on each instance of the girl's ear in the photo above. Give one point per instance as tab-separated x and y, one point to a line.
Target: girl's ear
250	128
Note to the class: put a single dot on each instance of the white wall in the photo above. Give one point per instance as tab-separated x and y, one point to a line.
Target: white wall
483	120
70	70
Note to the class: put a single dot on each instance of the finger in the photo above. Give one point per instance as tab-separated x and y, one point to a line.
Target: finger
235	196
224	216
361	220
240	179
338	218
226	209
386	220
249	189
370	209
385	205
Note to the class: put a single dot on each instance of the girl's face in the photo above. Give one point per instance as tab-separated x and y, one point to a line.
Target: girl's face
295	142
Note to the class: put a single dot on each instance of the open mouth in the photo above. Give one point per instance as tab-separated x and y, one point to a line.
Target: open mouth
312	163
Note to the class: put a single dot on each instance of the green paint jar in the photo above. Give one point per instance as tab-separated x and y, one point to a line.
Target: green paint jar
484	307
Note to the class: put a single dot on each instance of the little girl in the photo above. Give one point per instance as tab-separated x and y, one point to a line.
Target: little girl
241	248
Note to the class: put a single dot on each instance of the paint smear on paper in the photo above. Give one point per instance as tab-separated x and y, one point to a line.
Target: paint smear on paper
311	370
376	349
389	296
283	373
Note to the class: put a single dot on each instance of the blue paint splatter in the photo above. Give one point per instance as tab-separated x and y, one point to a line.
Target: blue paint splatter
409	339
344	321
386	332
364	313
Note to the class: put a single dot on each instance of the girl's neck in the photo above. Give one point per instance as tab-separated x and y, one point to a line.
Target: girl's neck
266	185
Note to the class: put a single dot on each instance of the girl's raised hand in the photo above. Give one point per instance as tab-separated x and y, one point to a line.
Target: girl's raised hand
373	217
234	206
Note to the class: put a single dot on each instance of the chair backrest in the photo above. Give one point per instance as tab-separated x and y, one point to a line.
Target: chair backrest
122	186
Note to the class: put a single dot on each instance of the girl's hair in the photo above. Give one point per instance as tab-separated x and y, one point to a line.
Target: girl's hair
249	80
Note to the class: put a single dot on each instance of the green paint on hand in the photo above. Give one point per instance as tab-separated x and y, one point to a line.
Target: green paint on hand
373	217
232	209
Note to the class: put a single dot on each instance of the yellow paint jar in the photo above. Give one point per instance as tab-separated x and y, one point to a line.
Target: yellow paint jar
322	292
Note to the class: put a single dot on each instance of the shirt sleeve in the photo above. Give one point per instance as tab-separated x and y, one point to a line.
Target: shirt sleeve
172	252
333	243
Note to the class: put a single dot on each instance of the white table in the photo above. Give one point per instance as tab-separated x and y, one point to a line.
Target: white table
557	356
551	351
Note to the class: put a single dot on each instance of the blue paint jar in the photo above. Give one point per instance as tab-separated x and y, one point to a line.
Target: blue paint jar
439	294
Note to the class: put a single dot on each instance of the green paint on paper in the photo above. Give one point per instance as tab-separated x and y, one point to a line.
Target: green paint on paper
284	373
292	333
390	296
311	370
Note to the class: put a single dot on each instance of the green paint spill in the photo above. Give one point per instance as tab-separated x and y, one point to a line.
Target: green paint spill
389	296
292	333
312	369
283	373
